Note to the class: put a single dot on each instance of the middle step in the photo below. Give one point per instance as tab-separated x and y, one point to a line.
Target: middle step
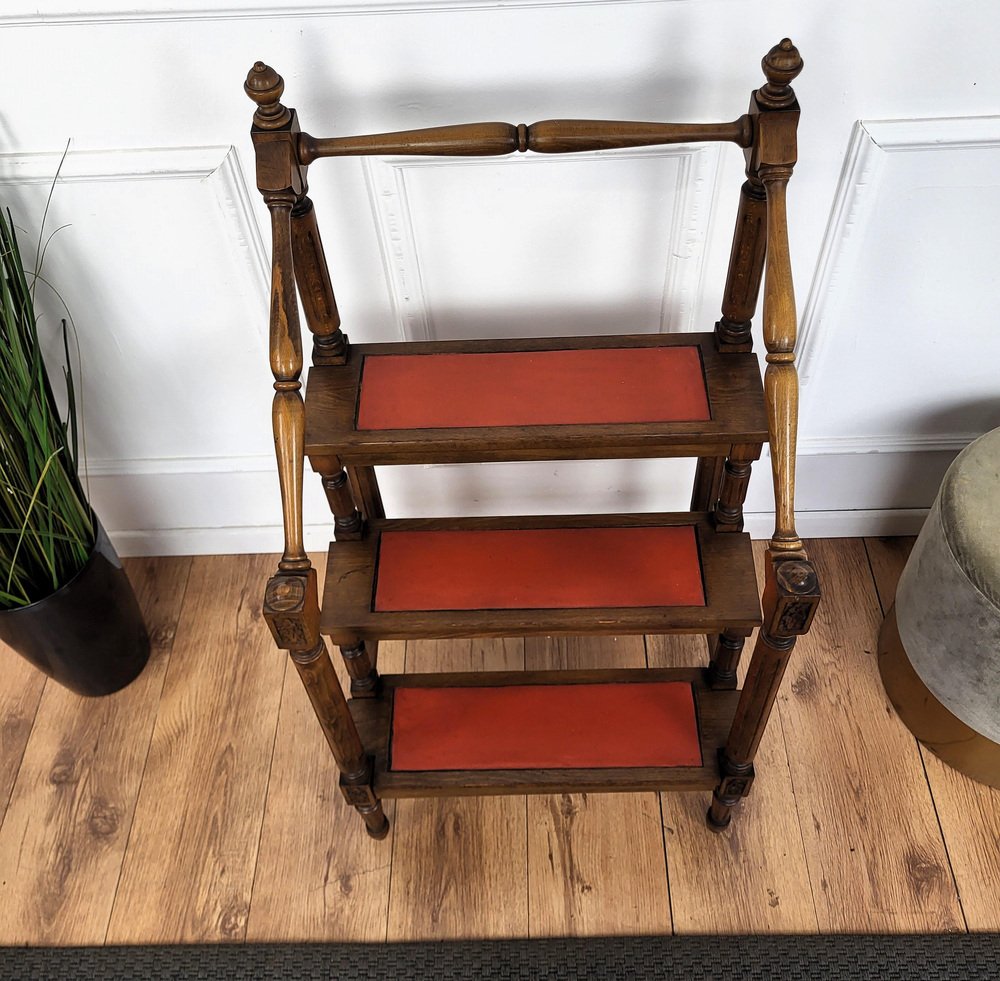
548	575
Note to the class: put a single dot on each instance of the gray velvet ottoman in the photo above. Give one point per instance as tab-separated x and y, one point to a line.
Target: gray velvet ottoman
939	650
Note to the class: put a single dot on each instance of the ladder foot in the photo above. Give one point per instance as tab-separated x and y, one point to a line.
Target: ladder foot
376	823
718	822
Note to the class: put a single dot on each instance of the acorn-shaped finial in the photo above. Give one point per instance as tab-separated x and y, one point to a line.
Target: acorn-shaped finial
264	85
781	65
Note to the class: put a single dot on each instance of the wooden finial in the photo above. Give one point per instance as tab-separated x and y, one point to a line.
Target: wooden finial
264	85
781	66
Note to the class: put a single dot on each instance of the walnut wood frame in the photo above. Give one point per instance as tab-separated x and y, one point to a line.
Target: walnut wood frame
767	135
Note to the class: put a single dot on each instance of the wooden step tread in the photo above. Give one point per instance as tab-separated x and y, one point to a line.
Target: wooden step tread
549	398
503	577
542	731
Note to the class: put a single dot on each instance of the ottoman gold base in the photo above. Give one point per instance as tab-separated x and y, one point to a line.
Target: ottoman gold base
936	727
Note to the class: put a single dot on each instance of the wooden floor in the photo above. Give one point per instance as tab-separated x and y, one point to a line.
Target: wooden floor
201	805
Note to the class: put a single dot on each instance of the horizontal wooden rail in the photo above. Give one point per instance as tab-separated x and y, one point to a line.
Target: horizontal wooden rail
547	136
575	135
467	140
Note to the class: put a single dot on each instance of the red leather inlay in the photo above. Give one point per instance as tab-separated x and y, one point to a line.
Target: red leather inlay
533	388
538	569
545	726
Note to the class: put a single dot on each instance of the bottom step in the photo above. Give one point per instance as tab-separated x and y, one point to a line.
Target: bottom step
545	732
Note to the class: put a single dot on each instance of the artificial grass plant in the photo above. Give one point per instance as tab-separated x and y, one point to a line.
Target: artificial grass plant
46	525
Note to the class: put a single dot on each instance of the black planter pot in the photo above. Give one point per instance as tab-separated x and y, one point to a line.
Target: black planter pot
88	635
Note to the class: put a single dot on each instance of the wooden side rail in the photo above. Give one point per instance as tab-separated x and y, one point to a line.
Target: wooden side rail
547	136
291	603
791	586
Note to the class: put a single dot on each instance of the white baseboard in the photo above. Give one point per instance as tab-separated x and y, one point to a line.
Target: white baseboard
844	524
267	538
214	541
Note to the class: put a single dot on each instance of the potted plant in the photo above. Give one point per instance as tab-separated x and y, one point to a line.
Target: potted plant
65	602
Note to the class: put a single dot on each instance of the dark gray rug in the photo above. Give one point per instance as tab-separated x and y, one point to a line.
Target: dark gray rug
946	957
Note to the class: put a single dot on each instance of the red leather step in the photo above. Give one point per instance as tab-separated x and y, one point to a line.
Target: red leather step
539	568
545	398
533	388
650	724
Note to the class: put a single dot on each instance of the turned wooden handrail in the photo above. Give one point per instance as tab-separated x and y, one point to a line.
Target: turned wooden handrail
577	135
547	136
288	411
771	162
781	380
465	140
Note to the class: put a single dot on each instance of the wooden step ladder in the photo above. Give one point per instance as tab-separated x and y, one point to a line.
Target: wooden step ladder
639	395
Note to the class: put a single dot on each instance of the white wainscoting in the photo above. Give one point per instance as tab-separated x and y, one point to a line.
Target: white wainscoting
164	302
893	210
906	279
491	236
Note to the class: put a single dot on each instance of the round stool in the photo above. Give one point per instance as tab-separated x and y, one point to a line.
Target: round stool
939	649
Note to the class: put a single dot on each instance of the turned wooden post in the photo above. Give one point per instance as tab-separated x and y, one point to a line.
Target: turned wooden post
739	301
791	592
746	268
725	650
781	379
772	158
728	514
330	345
724	653
348	524
291	604
288	410
361	660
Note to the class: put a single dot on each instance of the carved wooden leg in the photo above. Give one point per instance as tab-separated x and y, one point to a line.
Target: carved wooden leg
330	345
707	481
746	268
291	609
366	492
790	599
728	515
327	697
724	650
347	523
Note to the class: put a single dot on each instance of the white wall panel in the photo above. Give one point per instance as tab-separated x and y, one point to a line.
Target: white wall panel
165	298
906	290
893	228
589	244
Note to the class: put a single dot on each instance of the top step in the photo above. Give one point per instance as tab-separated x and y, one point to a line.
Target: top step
646	395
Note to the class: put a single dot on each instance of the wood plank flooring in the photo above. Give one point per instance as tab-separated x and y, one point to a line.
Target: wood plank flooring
201	803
